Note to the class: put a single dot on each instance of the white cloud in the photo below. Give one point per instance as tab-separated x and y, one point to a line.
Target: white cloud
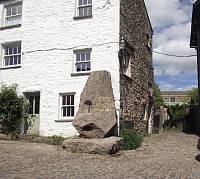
174	66
185	88
165	12
169	87
165	86
174	32
171	22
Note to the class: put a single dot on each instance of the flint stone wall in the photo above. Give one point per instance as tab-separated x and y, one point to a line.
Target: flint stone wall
136	89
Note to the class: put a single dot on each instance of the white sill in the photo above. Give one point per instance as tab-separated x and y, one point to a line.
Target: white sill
64	120
10	67
83	17
10	26
81	73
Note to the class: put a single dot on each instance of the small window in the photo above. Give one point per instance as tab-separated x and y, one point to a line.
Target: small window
84	8
173	99
13	14
125	64
34	103
67	105
149	41
83	60
12	55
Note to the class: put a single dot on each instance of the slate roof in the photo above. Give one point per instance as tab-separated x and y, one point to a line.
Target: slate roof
195	23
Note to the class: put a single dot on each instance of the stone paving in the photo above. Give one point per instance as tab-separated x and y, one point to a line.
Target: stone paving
168	155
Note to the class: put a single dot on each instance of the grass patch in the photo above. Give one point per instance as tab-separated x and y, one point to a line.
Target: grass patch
57	140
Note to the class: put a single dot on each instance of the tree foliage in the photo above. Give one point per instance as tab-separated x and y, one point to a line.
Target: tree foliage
157	97
177	111
177	115
11	108
194	95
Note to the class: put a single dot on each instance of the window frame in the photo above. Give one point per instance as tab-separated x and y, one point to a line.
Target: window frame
83	6
149	41
127	64
5	16
34	103
18	54
82	51
61	106
172	99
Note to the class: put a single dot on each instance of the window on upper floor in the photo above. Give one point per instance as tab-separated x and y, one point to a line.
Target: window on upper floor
82	60
84	8
149	41
67	105
11	54
13	14
125	63
173	99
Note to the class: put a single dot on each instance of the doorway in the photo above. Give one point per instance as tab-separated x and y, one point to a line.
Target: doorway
32	123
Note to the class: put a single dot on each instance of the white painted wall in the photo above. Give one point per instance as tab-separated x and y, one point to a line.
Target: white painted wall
49	34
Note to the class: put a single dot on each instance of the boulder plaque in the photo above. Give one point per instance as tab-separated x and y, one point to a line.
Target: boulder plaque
96	116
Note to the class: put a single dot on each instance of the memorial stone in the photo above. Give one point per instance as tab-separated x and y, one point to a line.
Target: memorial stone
96	116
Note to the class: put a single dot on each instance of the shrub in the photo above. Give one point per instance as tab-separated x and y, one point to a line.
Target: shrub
132	139
11	108
57	140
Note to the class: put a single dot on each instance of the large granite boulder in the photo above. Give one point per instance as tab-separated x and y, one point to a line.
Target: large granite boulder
96	116
110	145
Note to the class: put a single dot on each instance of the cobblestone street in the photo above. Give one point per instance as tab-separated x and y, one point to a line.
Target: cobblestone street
169	155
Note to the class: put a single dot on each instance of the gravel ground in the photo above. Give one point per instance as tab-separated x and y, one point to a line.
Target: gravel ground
168	155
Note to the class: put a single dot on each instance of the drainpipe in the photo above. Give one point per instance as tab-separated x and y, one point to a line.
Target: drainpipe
122	44
198	69
118	121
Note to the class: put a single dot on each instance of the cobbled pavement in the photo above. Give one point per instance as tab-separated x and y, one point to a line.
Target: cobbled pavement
169	155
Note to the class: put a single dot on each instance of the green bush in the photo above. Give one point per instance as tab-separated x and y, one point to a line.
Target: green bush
132	140
57	140
177	115
177	111
11	108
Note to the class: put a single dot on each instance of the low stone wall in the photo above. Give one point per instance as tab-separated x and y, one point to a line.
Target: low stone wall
29	138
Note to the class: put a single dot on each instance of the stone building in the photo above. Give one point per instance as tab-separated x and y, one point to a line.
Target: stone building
50	48
136	79
175	97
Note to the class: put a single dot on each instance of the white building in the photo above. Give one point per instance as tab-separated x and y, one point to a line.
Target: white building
50	47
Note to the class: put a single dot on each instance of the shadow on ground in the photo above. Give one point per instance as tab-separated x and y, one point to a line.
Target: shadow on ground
198	158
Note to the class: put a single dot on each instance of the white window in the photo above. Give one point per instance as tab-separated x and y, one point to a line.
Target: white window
126	66
67	105
84	7
149	41
83	60
173	100
13	14
12	54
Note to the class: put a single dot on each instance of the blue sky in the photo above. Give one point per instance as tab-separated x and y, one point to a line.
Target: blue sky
171	22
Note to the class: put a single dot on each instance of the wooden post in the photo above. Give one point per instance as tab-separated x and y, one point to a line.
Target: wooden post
161	120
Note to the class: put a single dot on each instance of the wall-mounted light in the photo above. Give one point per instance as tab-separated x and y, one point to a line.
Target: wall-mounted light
122	44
